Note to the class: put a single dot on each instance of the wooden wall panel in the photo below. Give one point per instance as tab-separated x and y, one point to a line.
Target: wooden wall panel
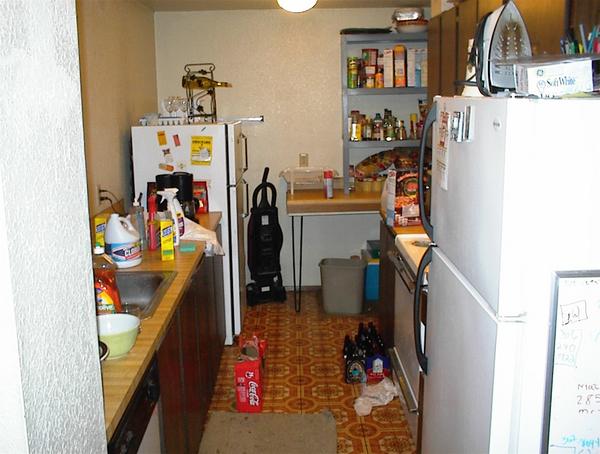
546	22
586	12
487	6
467	23
448	53
433	57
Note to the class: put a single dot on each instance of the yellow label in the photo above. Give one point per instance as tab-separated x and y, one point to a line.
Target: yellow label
167	251
99	229
162	138
201	150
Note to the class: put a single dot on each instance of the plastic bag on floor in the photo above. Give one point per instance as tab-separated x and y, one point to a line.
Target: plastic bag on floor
375	395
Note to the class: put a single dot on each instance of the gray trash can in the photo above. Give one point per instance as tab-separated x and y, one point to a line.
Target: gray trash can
342	285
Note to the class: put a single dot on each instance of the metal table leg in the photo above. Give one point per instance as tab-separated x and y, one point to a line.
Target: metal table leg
298	288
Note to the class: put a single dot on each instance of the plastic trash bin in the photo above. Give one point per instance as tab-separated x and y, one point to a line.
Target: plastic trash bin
342	285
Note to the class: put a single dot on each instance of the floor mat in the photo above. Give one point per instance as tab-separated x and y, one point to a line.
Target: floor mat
269	433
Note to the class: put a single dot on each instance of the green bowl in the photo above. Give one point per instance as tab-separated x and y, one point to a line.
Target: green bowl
118	332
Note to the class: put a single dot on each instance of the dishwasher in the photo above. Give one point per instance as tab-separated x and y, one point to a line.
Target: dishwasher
402	355
129	434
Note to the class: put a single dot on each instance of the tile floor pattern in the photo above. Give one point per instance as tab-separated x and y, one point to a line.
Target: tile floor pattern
304	374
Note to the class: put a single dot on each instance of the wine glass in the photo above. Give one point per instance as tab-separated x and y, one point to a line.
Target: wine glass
169	105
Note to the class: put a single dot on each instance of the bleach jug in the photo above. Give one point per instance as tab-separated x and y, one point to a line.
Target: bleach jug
122	242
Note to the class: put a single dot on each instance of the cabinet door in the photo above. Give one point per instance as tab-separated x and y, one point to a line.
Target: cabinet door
195	382
386	286
546	22
586	12
206	324
433	57
171	384
487	6
467	23
448	53
219	299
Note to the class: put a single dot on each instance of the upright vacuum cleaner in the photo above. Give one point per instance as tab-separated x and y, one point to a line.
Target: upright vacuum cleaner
265	239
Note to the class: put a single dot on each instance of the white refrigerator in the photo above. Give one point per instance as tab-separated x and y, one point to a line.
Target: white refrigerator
216	153
515	198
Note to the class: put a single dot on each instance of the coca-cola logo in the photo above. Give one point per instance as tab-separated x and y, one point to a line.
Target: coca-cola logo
253	398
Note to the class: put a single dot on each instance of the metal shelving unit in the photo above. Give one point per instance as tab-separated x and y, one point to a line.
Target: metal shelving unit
362	149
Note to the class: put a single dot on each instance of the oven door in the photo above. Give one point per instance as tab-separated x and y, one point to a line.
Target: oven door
404	360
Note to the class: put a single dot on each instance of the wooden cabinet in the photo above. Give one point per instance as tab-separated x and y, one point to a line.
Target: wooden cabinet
386	285
487	6
466	26
546	22
449	33
188	359
171	382
448	53
434	33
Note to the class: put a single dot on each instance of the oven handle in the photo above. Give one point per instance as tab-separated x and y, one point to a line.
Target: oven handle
410	400
401	269
419	348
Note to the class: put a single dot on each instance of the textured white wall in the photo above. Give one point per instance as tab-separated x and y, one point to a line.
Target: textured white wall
116	40
287	68
48	260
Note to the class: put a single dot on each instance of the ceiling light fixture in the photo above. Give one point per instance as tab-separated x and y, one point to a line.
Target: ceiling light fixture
296	6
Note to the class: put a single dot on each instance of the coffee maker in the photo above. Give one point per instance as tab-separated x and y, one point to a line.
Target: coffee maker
183	181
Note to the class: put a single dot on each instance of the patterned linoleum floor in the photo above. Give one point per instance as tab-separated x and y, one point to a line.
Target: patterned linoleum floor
304	374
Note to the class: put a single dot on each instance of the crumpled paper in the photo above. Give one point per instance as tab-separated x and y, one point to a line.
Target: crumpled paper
195	232
375	395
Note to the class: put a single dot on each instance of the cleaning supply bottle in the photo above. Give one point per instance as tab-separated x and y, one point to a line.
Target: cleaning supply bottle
122	242
136	215
108	300
167	237
174	208
153	226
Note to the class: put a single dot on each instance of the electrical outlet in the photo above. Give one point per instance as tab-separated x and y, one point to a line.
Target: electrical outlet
99	195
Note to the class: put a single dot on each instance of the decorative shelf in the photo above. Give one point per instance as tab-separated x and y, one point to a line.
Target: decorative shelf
383	38
384	144
385	91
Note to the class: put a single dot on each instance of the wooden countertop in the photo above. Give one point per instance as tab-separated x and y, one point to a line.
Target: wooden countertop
312	202
121	376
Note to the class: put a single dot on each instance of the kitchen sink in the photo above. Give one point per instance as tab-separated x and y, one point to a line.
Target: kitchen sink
141	291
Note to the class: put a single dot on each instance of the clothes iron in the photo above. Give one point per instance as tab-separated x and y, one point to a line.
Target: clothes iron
500	39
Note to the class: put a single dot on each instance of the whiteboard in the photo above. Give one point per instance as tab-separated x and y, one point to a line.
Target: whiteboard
572	409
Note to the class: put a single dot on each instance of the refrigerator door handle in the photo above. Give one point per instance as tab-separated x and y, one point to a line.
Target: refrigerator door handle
420	350
429	121
246	212
245	139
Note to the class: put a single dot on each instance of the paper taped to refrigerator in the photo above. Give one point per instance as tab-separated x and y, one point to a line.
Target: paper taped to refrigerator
441	151
201	150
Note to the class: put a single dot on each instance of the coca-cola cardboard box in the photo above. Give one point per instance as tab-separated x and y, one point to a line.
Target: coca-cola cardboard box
248	386
249	375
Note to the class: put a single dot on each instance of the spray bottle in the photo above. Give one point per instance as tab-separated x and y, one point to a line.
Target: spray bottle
174	207
136	215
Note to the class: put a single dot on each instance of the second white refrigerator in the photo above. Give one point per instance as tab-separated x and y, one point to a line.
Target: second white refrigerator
216	153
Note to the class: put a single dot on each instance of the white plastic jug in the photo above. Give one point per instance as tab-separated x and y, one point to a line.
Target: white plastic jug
122	242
